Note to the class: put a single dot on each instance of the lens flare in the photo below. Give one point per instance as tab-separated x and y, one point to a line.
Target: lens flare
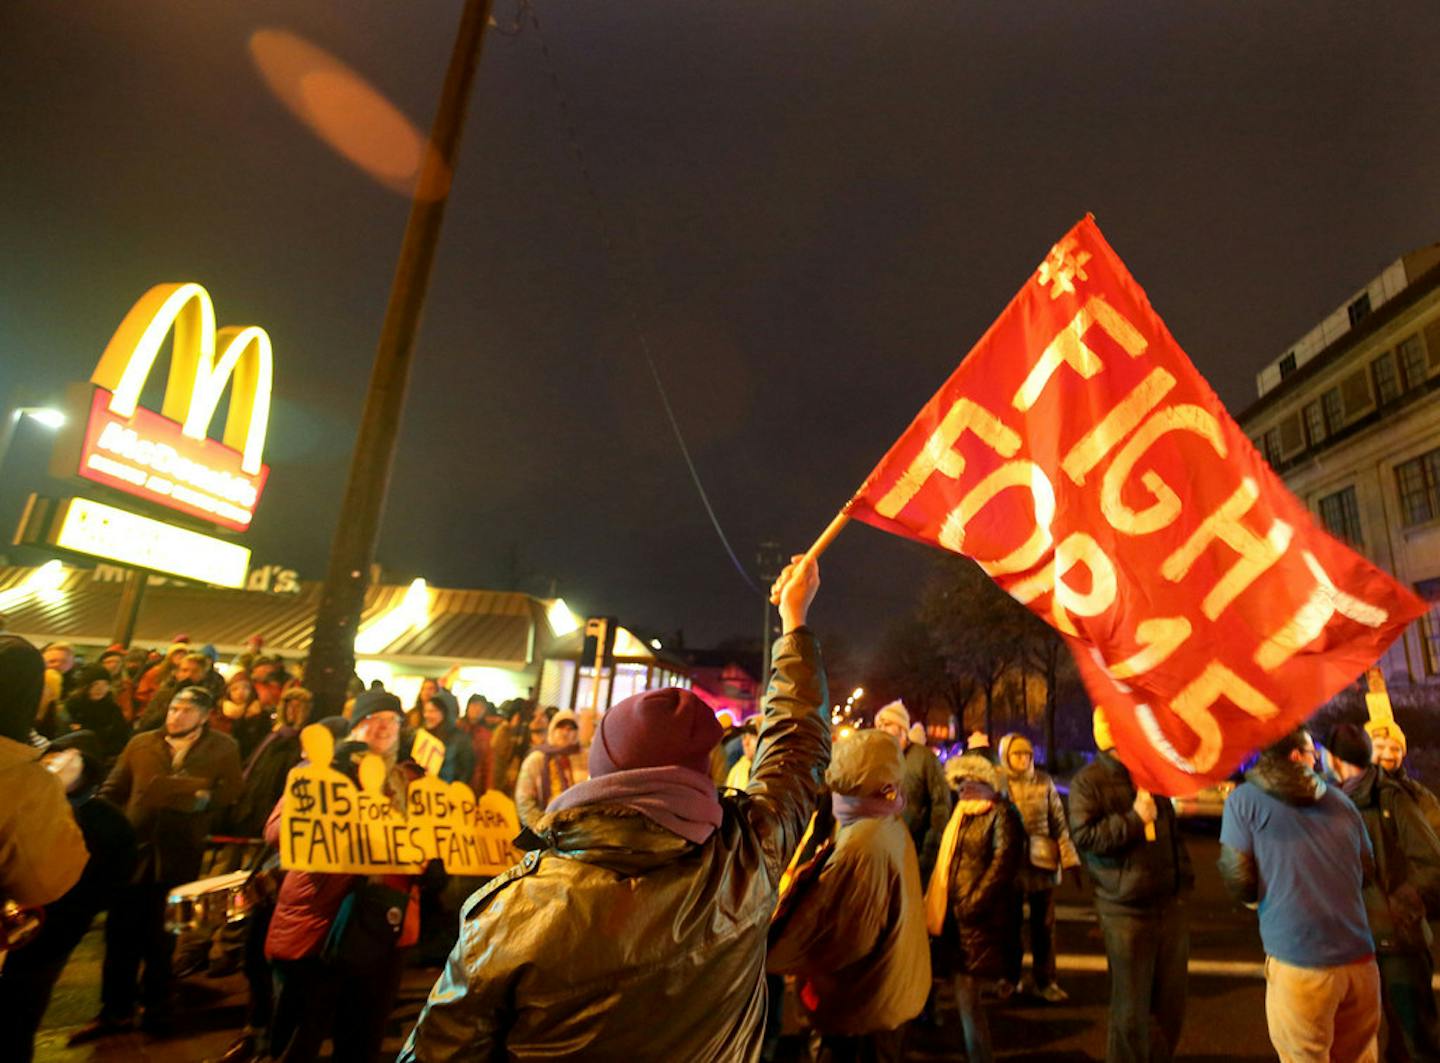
343	110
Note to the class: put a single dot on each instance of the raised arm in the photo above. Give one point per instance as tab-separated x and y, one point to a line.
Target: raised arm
794	746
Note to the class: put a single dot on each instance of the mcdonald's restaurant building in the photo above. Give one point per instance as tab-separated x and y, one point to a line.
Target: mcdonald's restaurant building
496	643
150	544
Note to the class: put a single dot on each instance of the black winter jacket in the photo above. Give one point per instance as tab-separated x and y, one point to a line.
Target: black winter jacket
989	848
1128	870
1406	886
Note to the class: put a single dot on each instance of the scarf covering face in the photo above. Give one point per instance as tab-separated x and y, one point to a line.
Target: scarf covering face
556	769
975	799
682	800
850	808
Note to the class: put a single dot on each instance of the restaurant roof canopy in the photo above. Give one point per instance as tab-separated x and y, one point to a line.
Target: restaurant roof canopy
494	628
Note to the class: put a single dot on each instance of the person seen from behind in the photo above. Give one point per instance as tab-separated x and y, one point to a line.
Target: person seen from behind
42	852
1297	849
29	973
853	930
638	931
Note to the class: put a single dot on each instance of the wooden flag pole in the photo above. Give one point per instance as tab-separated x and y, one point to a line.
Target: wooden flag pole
829	535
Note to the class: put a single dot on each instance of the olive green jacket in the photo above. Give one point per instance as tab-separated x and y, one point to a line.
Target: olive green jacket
620	940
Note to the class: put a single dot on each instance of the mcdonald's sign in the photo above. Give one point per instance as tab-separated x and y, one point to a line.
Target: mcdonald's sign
167	458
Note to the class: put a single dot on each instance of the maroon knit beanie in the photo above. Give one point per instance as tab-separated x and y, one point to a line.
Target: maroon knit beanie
656	729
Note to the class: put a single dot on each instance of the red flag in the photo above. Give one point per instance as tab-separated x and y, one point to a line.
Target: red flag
1078	456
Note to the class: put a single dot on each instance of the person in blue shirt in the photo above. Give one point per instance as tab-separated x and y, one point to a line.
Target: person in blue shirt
1297	850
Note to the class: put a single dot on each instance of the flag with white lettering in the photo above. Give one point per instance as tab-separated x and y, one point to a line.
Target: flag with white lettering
1085	464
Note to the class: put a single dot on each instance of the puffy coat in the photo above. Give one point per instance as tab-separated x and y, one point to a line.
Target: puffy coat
1038	801
1406	885
855	934
165	804
1128	871
927	803
623	941
979	857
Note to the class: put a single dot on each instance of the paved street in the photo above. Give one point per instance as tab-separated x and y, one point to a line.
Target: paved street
1226	1018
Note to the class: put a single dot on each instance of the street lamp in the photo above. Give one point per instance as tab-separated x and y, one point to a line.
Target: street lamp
48	416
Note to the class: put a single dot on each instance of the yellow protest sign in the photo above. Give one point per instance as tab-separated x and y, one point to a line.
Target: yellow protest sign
497	824
428	751
329	824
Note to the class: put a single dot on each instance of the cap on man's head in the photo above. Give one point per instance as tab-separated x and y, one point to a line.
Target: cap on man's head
197	696
373	701
115	650
1350	743
670	727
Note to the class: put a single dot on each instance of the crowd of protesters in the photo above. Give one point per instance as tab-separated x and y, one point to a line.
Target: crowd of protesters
680	881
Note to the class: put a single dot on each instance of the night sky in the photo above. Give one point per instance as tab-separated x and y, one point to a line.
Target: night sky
818	207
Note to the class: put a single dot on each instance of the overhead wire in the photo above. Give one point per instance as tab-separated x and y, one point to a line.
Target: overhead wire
625	281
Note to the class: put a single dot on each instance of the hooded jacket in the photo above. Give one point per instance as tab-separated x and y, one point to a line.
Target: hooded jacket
1284	781
1406	887
42	853
980	854
855	935
1128	871
1035	797
620	940
459	762
562	764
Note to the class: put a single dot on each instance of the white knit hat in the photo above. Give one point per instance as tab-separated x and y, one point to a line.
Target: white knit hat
895	712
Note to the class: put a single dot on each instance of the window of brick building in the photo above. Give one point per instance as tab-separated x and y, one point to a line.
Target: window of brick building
1359	309
1412	362
1287	365
1429	589
1419	482
1271	446
1314	424
1387	382
1334	410
1340	513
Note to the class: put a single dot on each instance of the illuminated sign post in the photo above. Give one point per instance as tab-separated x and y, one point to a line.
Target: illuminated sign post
166	459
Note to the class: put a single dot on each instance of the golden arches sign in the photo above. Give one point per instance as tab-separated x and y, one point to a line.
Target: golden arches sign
197	378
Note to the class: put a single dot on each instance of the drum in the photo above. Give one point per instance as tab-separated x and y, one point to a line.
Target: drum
207	904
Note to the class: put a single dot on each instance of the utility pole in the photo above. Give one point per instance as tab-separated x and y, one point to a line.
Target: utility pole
332	651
